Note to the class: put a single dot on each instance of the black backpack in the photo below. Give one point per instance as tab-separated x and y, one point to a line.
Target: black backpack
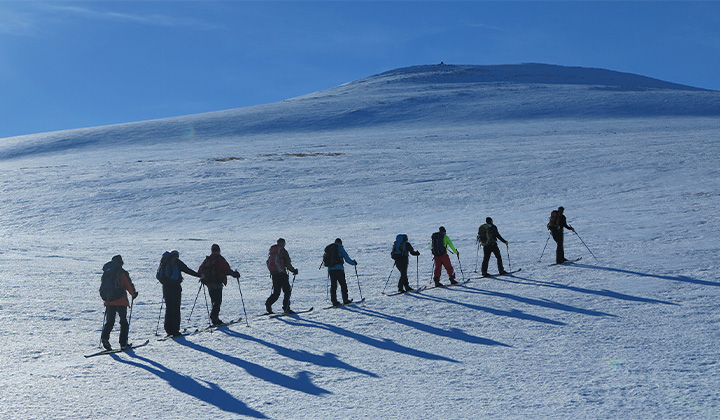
110	284
484	236
332	256
438	244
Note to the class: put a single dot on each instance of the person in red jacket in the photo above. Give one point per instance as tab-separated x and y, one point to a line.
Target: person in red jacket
118	306
214	271
278	263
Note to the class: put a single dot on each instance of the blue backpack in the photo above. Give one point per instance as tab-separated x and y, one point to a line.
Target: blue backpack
399	247
168	270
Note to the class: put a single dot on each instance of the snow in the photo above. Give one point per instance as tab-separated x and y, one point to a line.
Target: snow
631	334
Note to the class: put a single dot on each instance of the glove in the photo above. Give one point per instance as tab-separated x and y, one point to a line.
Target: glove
236	274
507	243
136	295
295	272
457	253
354	262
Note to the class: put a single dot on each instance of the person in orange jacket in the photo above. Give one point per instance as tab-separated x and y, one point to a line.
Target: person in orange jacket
119	303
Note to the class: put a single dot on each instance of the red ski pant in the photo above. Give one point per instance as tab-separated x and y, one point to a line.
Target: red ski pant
443	261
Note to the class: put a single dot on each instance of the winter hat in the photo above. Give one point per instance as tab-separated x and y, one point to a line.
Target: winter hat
118	259
338	241
281	241
561	209
488	220
215	248
442	229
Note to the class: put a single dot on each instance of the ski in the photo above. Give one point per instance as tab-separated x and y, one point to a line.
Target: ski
346	304
498	275
568	261
210	328
432	286
112	351
276	315
418	290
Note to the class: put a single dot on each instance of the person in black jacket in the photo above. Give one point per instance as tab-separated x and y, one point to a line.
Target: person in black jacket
488	236
558	221
170	276
401	253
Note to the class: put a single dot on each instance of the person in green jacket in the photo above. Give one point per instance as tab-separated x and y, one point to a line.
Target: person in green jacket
440	242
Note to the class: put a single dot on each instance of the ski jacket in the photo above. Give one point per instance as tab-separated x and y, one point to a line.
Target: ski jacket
562	222
218	267
128	285
279	260
492	235
345	257
405	256
181	268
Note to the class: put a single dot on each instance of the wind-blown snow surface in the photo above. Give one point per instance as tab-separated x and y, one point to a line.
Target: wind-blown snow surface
633	334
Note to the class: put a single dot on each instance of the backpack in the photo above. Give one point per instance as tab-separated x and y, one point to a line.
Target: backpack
274	262
208	274
168	270
438	244
110	284
484	236
332	256
553	223
399	247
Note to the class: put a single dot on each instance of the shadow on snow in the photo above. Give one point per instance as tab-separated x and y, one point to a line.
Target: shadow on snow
300	383
383	344
454	333
209	393
685	279
326	359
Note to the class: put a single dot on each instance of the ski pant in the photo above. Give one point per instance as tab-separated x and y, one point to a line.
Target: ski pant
216	295
402	266
110	323
338	276
559	237
281	283
490	250
173	298
443	261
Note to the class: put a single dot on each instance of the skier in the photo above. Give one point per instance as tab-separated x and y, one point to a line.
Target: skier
169	274
333	259
487	236
122	283
440	242
213	274
400	253
278	263
555	226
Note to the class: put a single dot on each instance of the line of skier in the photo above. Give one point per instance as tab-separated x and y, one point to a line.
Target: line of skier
214	271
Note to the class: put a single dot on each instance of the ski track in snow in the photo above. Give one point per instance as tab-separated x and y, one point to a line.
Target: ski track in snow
632	334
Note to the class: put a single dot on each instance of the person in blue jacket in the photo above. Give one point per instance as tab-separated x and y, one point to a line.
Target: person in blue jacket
334	258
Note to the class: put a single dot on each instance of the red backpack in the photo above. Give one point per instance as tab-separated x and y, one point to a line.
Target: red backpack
553	219
275	262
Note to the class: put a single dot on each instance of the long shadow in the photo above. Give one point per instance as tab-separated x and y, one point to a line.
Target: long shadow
685	279
454	333
209	393
326	359
510	314
300	383
384	344
604	292
545	303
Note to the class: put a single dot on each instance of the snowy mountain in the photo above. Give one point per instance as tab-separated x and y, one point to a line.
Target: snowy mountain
630	331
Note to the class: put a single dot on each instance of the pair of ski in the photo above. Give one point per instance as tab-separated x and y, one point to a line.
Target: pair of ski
211	328
432	286
567	262
346	304
279	314
119	350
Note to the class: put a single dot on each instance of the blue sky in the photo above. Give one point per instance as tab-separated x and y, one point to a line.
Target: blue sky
68	65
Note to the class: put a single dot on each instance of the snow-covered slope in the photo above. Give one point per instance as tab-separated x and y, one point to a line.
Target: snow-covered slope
631	334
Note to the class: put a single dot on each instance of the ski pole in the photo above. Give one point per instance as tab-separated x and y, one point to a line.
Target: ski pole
477	256
131	308
507	247
159	316
358	280
293	283
104	322
193	307
583	242
327	288
417	271
460	265
543	251
206	303
243	301
388	280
